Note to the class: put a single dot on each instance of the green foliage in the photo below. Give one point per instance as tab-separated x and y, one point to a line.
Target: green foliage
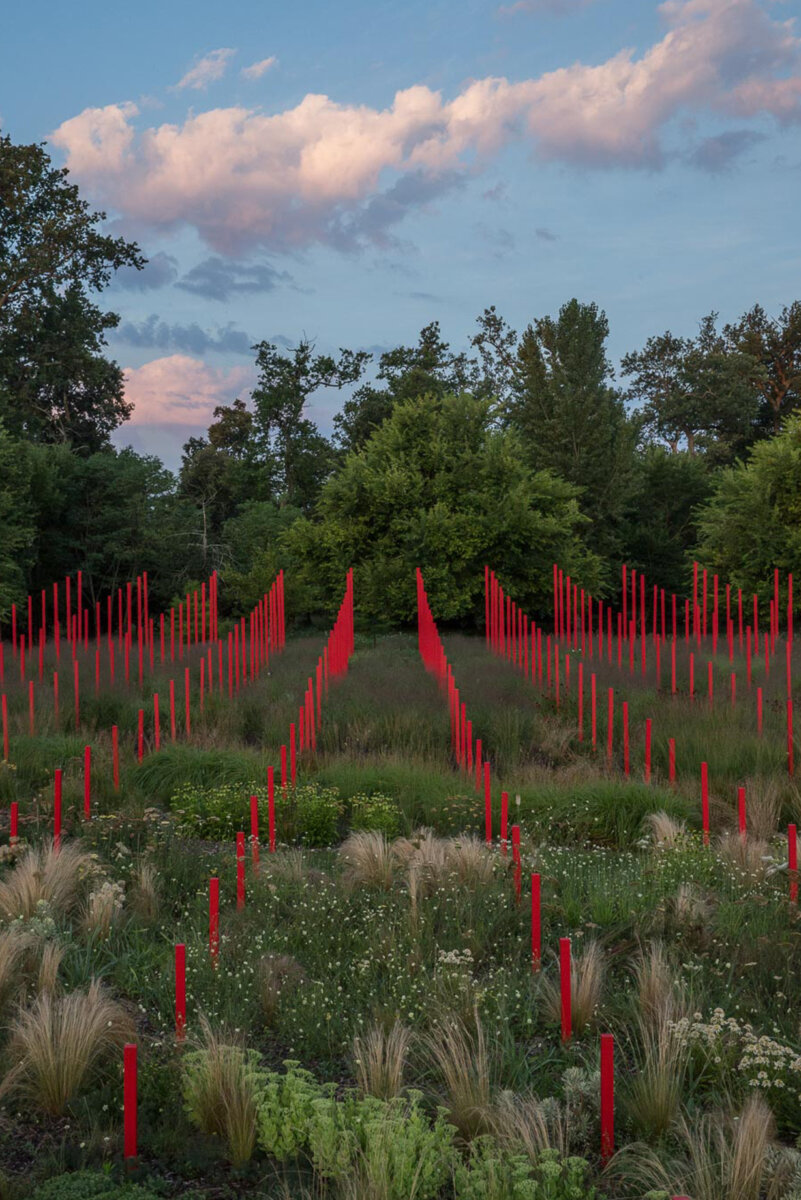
752	523
490	1174
437	487
16	521
287	1109
375	811
91	1185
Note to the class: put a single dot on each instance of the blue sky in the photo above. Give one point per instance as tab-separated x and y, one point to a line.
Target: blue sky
352	172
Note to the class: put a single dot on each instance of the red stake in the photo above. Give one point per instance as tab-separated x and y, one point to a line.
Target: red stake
741	810
13	836
504	819
610	724
607	1096
792	862
214	919
180	991
672	760
129	1099
536	923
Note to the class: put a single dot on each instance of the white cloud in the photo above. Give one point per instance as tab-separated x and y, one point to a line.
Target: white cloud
206	70
257	69
180	390
318	172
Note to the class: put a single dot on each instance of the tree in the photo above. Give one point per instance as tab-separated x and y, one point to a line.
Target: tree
297	456
497	345
437	487
429	368
752	523
55	384
696	391
571	421
16	521
774	347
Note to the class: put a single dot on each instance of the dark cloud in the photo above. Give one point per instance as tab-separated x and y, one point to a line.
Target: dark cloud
545	235
158	272
219	278
373	221
188	339
718	154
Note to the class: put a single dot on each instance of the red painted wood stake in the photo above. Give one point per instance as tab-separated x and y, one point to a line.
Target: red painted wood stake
705	801
271	806
607	1097
593	712
4	703
115	757
180	991
156	722
87	782
610	724
792	862
741	810
581	702
565	988
254	833
487	805
57	787
504	819
129	1100
240	870
172	709
214	919
14	823
536	923
187	711
31	711
672	760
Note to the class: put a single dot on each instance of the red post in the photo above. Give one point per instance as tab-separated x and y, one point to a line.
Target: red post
214	919
581	702
13	836
240	870
792	862
5	726
564	984
607	1096
504	819
129	1099
536	922
610	724
187	718
57	779
87	782
487	804
180	991
705	801
172	709
672	760
115	756
271	804
254	832
593	712
31	711
156	722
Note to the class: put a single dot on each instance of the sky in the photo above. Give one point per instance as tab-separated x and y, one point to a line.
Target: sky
351	172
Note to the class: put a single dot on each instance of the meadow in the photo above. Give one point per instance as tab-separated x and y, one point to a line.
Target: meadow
382	1011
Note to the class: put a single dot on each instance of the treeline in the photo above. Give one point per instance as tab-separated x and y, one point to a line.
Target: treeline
522	450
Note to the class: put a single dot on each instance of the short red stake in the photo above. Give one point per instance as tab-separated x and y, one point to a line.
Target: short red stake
254	832
672	760
240	870
536	923
504	819
610	724
271	806
87	782
180	991
792	862
214	919
487	805
115	757
57	782
187	717
129	1100
564	984
705	801
741	810
593	713
607	1097
172	709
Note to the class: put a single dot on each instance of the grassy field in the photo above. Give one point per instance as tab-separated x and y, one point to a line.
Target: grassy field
373	1026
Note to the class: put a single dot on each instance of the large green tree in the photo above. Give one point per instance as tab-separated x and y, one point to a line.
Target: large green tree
437	487
17	529
773	345
56	384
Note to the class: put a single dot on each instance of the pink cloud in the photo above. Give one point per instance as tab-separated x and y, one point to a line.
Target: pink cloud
314	173
179	390
207	69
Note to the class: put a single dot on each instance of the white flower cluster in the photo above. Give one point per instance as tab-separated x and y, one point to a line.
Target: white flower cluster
760	1060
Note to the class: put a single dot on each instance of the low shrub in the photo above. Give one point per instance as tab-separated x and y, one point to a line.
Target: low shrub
376	812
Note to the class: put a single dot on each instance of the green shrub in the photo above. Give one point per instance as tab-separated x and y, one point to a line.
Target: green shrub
315	812
217	813
377	811
286	1110
404	1154
86	1185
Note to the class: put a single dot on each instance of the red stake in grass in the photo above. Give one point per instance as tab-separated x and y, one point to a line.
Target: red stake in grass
13	836
564	985
254	832
214	919
607	1097
180	991
705	801
741	810
487	805
504	820
593	713
129	1100
536	923
792	862
610	724
57	779
87	782
115	757
271	806
240	870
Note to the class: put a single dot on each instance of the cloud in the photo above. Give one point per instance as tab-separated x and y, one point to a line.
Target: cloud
257	69
717	154
218	279
557	8
190	339
180	390
208	69
545	235
343	174
160	270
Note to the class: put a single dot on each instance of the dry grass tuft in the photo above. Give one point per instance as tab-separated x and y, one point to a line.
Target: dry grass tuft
524	1124
656	1089
657	994
747	854
469	860
380	1059
278	975
16	946
57	1042
47	979
462	1060
587	974
367	860
221	1087
103	908
44	874
143	895
666	832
